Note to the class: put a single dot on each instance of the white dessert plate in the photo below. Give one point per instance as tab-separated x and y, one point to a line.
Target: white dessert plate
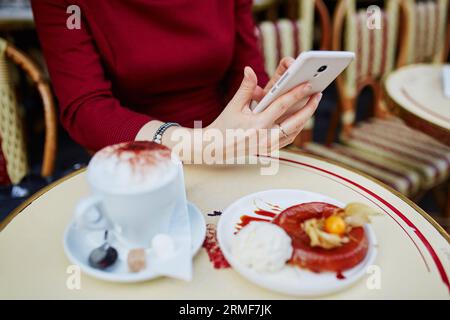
290	280
78	244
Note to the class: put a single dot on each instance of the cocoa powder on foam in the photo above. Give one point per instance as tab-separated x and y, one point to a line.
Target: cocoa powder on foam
143	158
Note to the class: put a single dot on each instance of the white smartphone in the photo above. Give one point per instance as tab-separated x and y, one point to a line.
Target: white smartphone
319	68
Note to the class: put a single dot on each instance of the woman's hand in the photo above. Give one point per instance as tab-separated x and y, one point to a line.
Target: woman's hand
238	115
251	133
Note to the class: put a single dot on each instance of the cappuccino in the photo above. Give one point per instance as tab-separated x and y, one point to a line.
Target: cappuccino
132	167
135	188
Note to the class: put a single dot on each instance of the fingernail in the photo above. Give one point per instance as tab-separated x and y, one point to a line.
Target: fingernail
247	72
319	97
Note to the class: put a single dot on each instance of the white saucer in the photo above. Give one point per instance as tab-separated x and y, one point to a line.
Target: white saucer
78	243
290	280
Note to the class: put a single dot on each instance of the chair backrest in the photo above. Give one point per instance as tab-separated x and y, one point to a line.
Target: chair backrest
423	31
286	37
375	45
13	157
372	34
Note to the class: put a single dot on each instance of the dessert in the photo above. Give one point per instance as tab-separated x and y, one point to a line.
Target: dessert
324	237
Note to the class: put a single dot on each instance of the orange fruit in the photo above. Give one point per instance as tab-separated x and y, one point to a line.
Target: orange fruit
335	225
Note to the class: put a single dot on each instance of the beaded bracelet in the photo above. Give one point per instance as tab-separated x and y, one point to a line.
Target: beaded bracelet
160	132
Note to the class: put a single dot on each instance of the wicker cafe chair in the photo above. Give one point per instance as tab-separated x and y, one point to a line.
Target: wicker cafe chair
423	31
286	37
383	147
13	155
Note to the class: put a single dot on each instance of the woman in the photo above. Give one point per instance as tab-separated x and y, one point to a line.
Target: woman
133	66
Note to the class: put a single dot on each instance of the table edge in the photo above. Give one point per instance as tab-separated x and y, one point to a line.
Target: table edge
10	217
36	196
402	110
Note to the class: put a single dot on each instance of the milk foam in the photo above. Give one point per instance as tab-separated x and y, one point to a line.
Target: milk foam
131	167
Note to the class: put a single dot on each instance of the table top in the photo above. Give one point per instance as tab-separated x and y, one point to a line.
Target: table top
418	90
413	254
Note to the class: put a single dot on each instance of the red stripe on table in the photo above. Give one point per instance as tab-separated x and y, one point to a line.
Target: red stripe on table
424	240
421	106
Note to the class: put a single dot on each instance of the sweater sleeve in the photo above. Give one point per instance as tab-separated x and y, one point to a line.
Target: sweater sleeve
247	51
88	109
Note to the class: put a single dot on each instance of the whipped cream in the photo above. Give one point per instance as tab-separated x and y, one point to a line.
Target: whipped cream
132	167
262	246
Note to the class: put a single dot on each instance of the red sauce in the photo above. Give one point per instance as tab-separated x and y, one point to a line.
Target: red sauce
245	220
340	276
315	258
213	249
275	207
265	213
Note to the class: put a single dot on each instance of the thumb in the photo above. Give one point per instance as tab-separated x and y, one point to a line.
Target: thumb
245	92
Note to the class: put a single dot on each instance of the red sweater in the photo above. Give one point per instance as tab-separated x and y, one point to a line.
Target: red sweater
134	61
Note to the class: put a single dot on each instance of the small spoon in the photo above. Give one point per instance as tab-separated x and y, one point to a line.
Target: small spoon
103	256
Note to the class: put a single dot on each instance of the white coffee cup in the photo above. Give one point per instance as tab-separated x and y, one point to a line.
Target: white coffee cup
135	187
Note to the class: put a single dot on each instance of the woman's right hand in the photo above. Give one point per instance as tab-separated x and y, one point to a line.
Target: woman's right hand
238	115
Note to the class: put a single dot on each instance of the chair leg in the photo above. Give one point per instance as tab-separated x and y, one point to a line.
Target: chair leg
334	122
345	106
348	114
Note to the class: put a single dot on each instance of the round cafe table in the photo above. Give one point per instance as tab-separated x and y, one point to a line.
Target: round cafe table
416	93
413	250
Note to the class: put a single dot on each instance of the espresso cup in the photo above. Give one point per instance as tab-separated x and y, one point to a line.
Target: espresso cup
135	187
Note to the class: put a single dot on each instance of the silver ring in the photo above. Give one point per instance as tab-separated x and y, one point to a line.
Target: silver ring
283	132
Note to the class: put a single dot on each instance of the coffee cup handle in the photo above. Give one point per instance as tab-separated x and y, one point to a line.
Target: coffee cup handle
88	214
